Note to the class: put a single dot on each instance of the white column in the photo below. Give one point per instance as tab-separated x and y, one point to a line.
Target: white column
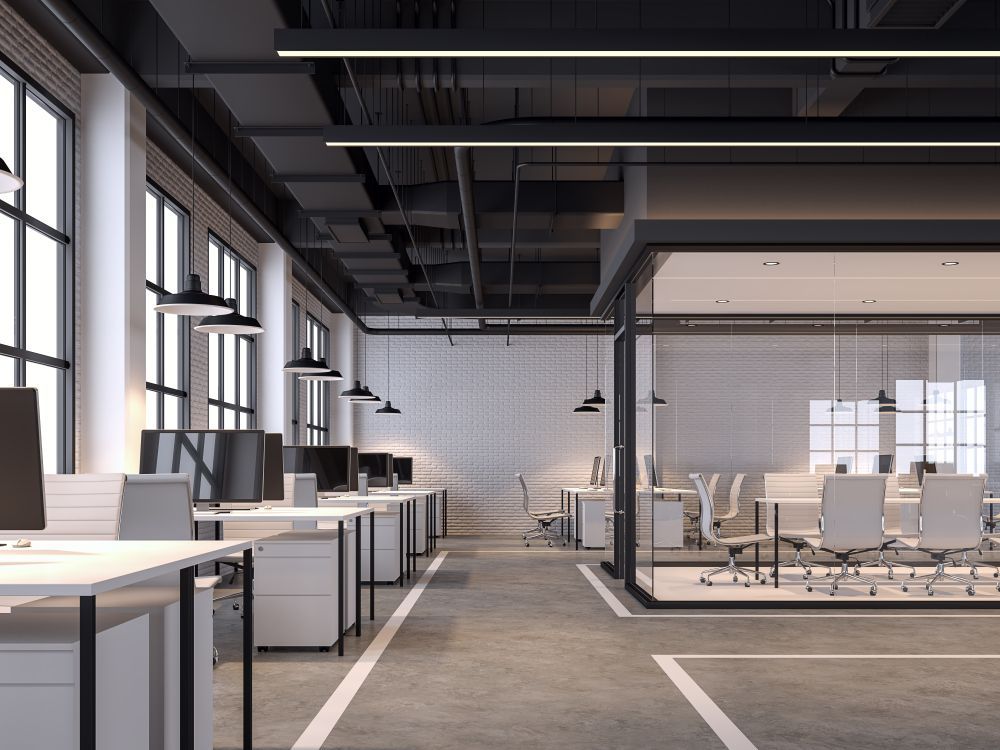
112	356
274	310
342	351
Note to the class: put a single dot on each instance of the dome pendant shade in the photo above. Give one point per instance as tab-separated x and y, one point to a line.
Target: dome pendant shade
365	397
653	399
839	406
388	409
192	301
596	400
356	392
9	182
305	364
231	323
886	404
328	376
585	409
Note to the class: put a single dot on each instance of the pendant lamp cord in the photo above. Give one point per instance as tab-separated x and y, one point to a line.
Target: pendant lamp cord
191	222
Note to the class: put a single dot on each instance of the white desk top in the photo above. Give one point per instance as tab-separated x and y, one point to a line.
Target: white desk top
590	490
410	488
817	500
53	567
667	490
266	515
399	493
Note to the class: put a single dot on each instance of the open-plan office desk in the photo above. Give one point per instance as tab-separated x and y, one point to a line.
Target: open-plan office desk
575	492
85	569
440	508
430	517
270	515
908	496
407	520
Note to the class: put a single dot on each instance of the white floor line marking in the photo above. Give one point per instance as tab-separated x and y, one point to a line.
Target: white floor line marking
325	721
718	722
622	611
612	601
826	656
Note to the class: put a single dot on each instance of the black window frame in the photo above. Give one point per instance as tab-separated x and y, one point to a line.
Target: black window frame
320	350
251	309
26	87
184	339
296	385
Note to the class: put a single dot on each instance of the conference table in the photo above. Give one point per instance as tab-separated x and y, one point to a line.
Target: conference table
908	496
85	569
340	515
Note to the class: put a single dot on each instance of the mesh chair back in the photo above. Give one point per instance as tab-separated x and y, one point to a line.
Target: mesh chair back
951	507
851	514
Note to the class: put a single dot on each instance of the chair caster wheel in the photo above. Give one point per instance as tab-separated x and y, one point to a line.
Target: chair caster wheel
904	587
890	575
913	574
708	583
970	591
747	584
736	579
975	576
832	592
930	592
236	606
527	544
550	544
564	544
324	649
763	579
834	586
701	579
809	588
262	649
872	591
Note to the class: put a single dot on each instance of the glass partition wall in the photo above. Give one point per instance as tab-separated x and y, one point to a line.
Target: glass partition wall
785	405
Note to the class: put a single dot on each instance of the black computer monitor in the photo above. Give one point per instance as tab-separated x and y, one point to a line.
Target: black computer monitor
378	467
884	463
402	467
335	466
650	470
274	473
924	467
225	466
604	474
595	471
22	488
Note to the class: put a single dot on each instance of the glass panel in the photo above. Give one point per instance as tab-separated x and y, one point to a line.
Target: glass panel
244	384
47	381
172	239
816	459
910	395
820	438
228	419
8	121
843	439
152	234
172	350
229	369
42	295
213	365
940	396
8	278
844	412
42	156
8	371
867	463
868	413
867	441
213	266
909	428
244	291
172	412
152	410
971	395
227	276
152	347
213	417
906	455
244	421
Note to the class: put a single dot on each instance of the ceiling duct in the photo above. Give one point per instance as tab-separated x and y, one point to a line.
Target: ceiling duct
908	14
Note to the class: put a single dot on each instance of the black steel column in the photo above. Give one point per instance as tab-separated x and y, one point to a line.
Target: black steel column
371	565
187	658
341	562
626	533
248	649
88	673
444	512
357	577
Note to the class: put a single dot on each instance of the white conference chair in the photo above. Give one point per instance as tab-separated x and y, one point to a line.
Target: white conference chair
851	521
950	522
734	544
694	516
734	502
544	521
796	521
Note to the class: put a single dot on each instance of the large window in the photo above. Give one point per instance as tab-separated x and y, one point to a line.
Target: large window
941	422
166	335
843	432
232	360
318	392
36	260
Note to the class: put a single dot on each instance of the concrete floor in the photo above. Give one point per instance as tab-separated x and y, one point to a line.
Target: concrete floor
513	647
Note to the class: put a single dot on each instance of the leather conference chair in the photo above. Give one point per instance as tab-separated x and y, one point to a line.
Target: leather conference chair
733	544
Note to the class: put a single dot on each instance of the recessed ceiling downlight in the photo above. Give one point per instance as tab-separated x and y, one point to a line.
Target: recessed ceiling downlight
950	263
868	301
772	263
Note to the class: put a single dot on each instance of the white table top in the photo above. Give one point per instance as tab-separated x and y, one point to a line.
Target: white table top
266	515
408	492
817	500
591	490
53	567
667	490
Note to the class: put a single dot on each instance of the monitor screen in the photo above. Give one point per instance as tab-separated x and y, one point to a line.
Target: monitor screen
378	467
884	463
274	474
22	491
650	470
335	466
402	467
224	465
595	471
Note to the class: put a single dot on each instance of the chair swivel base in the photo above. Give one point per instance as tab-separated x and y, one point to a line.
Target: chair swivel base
798	562
882	562
965	562
731	569
940	576
845	575
543	532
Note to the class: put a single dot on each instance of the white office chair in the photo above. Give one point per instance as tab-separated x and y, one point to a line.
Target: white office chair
796	521
544	521
734	544
850	522
694	516
734	502
156	506
951	521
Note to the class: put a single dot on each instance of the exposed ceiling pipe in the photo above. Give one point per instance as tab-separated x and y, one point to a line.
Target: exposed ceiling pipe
89	36
463	173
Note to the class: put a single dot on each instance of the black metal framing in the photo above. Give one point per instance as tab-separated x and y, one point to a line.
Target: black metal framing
163	201
296	385
226	253
320	350
24	88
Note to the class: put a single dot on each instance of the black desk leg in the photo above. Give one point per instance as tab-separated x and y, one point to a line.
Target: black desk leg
402	543
756	530
371	565
576	516
409	556
444	514
413	535
88	673
248	649
218	536
341	563
562	508
357	577
428	517
777	539
187	658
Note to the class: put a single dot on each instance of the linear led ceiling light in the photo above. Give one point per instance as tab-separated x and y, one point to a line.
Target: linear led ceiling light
691	132
637	43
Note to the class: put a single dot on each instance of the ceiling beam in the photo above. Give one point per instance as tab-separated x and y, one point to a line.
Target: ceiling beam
322	178
636	43
250	67
688	132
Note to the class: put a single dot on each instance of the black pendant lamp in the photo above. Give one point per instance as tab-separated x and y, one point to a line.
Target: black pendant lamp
388	408
586	408
838	404
597	399
192	300
305	364
652	398
352	393
329	376
886	404
230	323
9	182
